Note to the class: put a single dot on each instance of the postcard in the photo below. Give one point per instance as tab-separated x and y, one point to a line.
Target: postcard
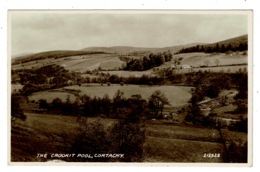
124	87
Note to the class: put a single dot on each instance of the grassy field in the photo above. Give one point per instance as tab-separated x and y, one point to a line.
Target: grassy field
198	59
176	150
174	131
16	87
76	63
177	95
43	133
94	62
50	95
110	64
227	69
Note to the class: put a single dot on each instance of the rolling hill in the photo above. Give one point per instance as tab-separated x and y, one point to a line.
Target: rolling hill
123	50
239	43
107	58
235	40
52	54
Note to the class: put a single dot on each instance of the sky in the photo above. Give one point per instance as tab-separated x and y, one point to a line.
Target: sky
38	31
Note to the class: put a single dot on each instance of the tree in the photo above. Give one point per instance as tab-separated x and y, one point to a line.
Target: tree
43	104
128	134
16	111
91	138
157	101
177	61
118	103
146	63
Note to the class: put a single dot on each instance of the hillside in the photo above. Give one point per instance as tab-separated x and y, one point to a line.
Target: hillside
108	58
119	49
123	50
51	54
235	40
239	43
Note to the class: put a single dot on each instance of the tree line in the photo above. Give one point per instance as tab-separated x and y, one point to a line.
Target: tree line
211	86
147	62
216	48
105	107
126	134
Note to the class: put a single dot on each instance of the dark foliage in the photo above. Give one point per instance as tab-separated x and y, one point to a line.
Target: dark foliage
16	111
238	152
148	62
126	136
215	48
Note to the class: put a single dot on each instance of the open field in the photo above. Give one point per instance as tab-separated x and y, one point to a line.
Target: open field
16	87
198	59
94	62
177	95
76	63
176	150
226	69
111	64
43	133
50	95
174	131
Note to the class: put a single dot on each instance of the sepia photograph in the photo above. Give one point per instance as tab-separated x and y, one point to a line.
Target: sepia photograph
125	86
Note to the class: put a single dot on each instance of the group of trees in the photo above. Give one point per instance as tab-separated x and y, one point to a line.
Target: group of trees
54	75
115	79
118	107
125	136
148	62
46	77
216	48
16	110
208	85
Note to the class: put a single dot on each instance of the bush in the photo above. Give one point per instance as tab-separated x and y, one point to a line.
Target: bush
237	152
43	104
91	138
16	111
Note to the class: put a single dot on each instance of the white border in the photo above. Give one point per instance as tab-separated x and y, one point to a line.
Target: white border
121	4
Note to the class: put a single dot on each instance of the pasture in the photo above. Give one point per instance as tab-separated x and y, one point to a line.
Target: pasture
16	87
177	95
226	69
50	95
199	59
110	64
159	149
46	133
77	63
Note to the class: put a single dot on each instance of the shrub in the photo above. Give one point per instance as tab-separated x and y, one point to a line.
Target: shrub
16	111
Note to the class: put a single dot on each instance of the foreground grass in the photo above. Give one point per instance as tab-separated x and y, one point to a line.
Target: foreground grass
42	133
176	150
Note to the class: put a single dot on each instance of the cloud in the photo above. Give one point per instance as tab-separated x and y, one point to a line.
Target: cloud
43	31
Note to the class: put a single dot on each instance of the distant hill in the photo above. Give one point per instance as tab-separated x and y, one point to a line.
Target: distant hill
239	43
235	40
51	54
17	56
123	50
119	49
99	55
